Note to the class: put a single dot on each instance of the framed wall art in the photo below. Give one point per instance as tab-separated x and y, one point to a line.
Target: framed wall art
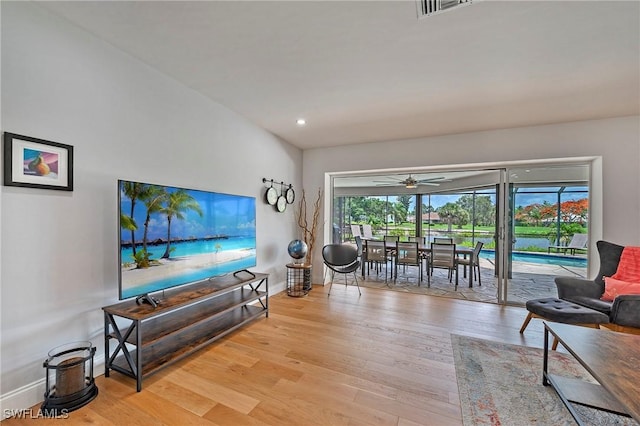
37	163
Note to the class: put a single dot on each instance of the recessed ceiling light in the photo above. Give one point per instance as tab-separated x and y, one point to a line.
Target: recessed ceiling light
301	121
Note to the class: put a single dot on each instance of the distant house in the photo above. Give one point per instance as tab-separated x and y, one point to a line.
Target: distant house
432	217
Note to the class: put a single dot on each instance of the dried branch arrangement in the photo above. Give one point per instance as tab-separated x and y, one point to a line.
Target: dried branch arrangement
309	232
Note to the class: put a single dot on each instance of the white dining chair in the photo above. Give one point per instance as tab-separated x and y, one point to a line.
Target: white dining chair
367	232
355	231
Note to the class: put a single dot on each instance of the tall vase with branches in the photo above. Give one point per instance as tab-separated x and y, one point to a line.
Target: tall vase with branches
309	229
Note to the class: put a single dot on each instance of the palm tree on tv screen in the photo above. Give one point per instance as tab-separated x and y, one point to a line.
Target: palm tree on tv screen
178	202
127	222
154	197
133	191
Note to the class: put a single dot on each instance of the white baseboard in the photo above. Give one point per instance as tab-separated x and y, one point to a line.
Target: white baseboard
277	288
20	399
25	397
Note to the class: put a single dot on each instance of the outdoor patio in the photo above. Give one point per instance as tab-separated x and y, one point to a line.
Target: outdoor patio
529	281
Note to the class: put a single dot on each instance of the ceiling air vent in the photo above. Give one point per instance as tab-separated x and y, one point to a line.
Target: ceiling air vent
432	7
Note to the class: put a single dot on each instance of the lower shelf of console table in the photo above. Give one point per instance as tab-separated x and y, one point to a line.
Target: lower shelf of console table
187	319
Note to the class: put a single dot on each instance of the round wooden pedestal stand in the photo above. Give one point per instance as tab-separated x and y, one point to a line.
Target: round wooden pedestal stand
298	279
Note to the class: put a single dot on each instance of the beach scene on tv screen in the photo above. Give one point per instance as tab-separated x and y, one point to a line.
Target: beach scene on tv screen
172	236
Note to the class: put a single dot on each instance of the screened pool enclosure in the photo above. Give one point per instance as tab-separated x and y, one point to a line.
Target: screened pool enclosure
518	214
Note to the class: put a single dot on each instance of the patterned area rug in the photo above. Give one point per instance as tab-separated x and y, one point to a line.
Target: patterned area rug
501	384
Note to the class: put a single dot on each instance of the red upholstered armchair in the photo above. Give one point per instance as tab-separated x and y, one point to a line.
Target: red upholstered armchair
623	311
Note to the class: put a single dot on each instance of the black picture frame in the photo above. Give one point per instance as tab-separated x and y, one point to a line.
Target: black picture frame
37	163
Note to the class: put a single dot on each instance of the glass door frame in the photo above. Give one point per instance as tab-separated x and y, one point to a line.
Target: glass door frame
505	209
504	237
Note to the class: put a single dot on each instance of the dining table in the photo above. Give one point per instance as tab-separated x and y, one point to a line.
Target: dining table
463	251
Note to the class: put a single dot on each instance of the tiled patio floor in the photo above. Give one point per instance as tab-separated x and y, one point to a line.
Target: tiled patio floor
529	281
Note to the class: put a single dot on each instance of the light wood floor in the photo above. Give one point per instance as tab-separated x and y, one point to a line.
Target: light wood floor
383	358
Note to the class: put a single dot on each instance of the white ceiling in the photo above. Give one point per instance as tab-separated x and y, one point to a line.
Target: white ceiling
370	71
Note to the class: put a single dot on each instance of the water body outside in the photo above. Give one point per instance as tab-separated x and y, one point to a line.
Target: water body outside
532	257
521	242
544	259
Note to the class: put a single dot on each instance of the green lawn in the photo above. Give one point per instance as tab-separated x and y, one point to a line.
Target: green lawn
408	228
529	231
532	231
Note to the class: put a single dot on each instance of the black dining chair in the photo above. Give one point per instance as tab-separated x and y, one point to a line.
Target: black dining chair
362	254
443	256
473	263
443	240
377	254
343	259
360	248
407	255
424	255
391	241
419	240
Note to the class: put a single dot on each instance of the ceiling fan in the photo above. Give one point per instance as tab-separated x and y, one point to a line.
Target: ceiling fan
410	182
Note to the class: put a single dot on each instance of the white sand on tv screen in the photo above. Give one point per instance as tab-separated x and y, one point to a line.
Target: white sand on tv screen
166	268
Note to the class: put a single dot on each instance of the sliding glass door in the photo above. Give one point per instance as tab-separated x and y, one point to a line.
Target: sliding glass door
549	222
385	214
523	216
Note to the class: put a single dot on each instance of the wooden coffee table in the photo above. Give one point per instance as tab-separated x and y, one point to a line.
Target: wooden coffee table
613	359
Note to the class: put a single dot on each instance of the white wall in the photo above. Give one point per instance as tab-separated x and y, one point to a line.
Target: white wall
58	263
125	120
616	140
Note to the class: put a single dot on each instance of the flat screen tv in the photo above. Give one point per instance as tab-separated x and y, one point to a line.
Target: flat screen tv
172	236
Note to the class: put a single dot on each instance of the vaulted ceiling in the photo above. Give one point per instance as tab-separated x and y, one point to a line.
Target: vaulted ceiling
362	71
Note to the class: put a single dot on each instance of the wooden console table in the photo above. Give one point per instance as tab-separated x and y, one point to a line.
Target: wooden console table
186	319
611	358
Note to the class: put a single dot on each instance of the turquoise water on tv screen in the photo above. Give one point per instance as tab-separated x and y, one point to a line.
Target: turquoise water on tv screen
185	249
192	248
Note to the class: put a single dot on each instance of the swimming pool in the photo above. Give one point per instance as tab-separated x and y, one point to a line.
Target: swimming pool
545	259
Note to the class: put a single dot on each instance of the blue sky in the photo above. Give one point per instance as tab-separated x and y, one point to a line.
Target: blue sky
221	214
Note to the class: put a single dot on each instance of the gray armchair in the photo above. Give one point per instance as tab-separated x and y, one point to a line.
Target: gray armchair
623	312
